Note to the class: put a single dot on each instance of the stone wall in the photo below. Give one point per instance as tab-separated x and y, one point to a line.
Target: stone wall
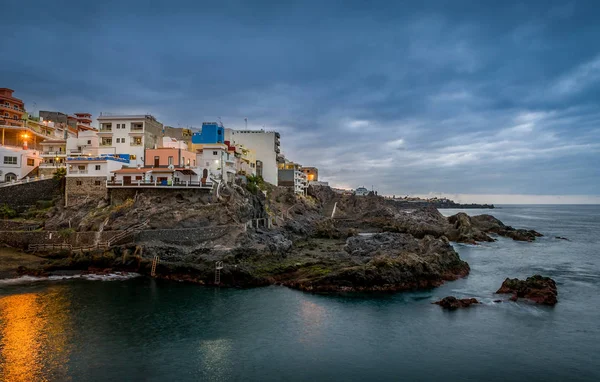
22	239
120	195
80	188
184	236
22	196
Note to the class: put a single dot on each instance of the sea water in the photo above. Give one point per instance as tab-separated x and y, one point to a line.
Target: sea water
140	329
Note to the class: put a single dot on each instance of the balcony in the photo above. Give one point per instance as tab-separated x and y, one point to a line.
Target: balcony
78	172
13	108
11	122
54	154
135	127
53	165
135	144
106	144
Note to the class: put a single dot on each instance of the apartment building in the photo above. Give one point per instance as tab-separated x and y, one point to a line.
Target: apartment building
312	173
129	135
266	145
290	175
12	109
54	156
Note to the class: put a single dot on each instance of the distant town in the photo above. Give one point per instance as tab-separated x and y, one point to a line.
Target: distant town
138	151
130	151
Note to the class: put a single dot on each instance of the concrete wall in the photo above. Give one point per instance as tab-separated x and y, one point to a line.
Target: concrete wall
22	196
78	189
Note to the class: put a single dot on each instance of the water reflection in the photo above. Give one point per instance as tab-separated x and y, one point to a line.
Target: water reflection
33	336
313	317
216	358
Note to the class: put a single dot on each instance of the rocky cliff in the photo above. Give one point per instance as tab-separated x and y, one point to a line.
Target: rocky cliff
371	244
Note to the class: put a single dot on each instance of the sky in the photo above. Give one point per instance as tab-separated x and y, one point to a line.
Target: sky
484	101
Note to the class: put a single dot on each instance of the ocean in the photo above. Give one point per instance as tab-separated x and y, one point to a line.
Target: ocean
141	329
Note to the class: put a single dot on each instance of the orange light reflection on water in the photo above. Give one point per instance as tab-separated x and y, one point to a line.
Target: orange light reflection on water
33	337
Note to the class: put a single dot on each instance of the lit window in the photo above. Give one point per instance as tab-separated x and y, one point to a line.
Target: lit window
30	162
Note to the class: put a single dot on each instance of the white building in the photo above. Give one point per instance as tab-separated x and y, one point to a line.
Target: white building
266	146
130	135
94	166
217	160
16	163
361	191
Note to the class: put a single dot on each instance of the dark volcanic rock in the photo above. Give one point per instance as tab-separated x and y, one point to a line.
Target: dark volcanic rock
541	290
386	262
490	224
453	303
464	231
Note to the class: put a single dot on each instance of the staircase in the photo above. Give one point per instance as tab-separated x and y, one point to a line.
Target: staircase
218	267
129	231
155	262
329	209
33	173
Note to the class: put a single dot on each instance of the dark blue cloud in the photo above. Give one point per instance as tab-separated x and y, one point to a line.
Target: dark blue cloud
435	96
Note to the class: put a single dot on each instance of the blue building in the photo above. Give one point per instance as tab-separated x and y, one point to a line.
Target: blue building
211	133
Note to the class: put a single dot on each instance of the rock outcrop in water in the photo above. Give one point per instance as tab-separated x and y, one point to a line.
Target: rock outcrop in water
453	303
539	289
305	249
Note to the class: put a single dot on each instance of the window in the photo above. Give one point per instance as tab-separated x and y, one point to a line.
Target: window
78	182
97	182
89	142
170	160
215	153
194	163
10	160
81	167
98	167
30	162
132	157
219	132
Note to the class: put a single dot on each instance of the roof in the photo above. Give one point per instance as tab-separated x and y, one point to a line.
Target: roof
52	141
128	170
133	116
143	170
184	171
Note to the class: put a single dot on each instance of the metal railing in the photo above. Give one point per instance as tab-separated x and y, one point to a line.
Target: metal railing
155	183
23	181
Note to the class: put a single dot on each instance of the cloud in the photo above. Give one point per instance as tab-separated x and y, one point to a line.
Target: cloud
412	98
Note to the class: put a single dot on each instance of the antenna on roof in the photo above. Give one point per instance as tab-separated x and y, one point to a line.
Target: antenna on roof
246	121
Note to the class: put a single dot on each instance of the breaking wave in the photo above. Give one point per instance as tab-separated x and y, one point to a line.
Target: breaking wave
91	277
